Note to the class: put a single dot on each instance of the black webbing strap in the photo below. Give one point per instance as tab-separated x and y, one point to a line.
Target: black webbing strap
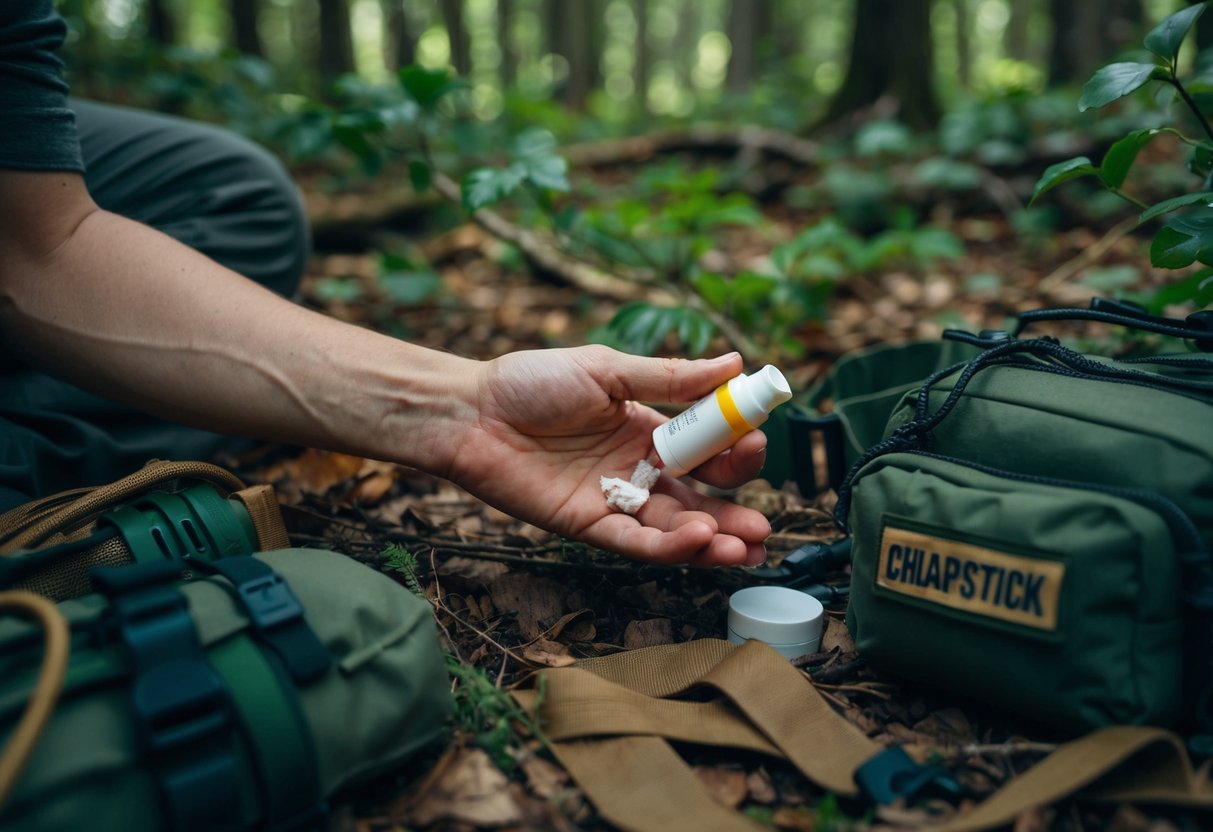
181	708
1197	327
276	615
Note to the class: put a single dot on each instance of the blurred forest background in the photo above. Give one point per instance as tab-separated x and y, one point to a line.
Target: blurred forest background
792	179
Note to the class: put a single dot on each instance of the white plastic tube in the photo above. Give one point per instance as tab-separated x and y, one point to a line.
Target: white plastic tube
719	419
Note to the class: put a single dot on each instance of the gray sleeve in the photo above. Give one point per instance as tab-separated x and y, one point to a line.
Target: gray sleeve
37	130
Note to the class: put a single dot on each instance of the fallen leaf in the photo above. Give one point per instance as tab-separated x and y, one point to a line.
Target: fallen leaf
370	490
470	789
544	779
472	571
762	790
727	785
566	620
798	818
837	636
547	653
318	471
536	601
648	633
1039	819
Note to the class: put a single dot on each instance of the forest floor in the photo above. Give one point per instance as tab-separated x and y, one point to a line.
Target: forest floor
511	599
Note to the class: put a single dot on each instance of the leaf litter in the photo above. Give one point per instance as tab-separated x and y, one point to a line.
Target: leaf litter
511	599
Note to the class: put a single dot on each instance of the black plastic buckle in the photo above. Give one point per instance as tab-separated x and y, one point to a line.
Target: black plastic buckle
892	775
269	602
276	615
183	713
180	703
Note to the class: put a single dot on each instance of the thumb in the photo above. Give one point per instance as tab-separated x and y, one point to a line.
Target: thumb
676	380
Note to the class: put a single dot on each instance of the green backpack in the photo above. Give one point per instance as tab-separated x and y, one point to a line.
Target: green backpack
240	695
1033	529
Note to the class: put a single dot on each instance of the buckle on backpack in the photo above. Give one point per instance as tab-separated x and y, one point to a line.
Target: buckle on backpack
179	703
891	775
269	601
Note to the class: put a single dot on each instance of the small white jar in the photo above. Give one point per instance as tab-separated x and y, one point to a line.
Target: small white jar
787	620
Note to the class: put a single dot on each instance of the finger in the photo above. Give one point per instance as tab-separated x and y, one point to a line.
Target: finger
666	513
738	465
746	523
723	550
624	535
668	379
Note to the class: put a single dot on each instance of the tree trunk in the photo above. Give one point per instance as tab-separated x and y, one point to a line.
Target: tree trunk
1088	34
160	24
399	47
964	60
891	55
686	43
457	34
245	35
571	28
1017	29
743	34
336	41
642	66
509	55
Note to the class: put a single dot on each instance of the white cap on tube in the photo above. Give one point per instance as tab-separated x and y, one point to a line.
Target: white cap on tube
788	620
718	420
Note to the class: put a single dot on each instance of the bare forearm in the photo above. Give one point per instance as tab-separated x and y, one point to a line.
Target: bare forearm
130	313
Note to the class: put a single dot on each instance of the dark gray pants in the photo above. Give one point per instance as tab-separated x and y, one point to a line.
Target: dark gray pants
208	188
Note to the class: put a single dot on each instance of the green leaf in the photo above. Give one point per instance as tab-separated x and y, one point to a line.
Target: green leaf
345	289
428	86
1165	39
1120	156
1169	205
419	175
1180	244
1061	172
535	150
484	186
1116	81
410	287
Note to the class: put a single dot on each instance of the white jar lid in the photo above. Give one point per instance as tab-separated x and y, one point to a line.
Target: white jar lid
788	620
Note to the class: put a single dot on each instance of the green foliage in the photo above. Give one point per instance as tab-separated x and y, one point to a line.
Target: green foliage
404	563
1186	238
1116	81
533	161
1165	39
490	714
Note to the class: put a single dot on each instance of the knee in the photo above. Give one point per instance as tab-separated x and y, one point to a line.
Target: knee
257	193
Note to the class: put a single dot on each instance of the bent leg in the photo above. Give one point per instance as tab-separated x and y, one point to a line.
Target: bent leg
204	186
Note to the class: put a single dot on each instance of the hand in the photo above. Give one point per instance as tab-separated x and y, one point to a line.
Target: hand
551	422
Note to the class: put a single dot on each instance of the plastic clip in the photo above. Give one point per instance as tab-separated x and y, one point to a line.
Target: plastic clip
891	775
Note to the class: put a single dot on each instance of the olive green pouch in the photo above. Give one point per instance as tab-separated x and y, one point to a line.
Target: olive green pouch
1033	531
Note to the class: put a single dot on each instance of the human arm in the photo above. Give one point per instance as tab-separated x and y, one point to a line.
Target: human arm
125	311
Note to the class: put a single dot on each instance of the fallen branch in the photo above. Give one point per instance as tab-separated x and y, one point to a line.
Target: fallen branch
1088	256
699	137
544	254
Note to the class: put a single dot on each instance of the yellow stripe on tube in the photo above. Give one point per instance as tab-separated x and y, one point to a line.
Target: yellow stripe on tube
731	414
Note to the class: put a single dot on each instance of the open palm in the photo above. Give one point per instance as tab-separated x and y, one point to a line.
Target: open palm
551	422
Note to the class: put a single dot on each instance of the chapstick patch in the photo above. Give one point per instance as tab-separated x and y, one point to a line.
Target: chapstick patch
626	496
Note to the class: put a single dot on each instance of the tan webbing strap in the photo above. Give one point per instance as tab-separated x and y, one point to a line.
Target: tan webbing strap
618	711
775	709
104	497
263	510
640	784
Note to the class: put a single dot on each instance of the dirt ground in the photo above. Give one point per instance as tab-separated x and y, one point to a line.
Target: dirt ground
511	599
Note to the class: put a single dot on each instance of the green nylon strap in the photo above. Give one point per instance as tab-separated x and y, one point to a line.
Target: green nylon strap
275	727
623	696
